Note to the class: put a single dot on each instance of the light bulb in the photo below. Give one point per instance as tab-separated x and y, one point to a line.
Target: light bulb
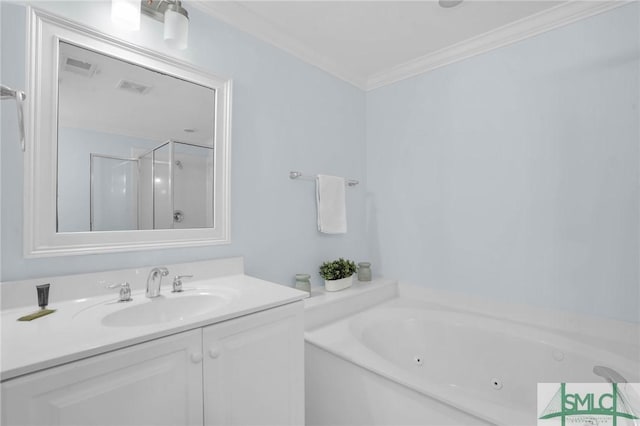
126	14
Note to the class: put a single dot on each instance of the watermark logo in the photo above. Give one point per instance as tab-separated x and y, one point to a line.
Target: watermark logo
589	404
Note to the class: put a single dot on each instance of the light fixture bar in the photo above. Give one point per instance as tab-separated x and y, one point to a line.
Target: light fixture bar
154	9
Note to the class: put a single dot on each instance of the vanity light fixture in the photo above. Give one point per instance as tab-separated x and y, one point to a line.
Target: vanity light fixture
126	13
176	25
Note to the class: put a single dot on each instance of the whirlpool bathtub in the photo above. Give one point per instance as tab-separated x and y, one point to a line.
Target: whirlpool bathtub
404	361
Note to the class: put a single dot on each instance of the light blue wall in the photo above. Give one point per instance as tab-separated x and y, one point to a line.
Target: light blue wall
511	175
287	115
514	174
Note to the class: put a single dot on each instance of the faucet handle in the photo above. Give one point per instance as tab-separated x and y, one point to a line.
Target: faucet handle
177	282
125	291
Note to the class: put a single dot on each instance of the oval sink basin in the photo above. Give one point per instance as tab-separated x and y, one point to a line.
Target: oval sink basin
162	309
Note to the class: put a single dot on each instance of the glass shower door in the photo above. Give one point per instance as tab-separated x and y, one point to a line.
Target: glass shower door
145	191
162	193
192	186
176	187
113	193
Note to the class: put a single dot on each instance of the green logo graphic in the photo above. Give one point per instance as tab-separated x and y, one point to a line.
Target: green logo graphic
610	404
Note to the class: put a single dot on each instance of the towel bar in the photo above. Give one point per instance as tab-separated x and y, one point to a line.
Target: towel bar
299	175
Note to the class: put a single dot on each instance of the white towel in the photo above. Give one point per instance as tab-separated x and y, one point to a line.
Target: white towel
332	209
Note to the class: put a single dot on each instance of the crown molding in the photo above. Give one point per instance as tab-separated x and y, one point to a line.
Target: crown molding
241	17
555	17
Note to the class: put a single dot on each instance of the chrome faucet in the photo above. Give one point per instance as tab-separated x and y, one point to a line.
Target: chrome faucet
153	286
177	282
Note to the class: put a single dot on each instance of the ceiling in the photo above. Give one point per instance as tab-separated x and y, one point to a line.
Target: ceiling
373	43
94	99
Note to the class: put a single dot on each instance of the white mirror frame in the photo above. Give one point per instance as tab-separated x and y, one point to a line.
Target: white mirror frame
41	238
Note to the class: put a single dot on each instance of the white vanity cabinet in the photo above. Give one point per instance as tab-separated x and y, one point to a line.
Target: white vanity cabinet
254	369
153	383
247	370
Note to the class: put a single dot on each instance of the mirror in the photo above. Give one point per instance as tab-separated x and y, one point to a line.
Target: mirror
135	146
129	149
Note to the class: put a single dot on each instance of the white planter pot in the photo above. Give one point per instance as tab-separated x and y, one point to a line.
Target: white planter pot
336	285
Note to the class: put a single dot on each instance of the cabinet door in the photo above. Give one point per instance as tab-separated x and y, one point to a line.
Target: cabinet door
153	383
254	369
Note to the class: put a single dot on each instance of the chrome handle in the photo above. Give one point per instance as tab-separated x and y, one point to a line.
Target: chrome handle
20	97
177	282
125	291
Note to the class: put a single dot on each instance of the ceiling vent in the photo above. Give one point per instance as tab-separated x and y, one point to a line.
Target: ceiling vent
78	66
134	87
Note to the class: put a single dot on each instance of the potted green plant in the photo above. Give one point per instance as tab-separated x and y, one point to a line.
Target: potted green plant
337	274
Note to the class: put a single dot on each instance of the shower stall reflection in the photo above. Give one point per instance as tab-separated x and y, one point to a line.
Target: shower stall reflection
167	187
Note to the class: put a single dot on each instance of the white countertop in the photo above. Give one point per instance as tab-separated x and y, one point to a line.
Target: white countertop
321	297
75	330
326	306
